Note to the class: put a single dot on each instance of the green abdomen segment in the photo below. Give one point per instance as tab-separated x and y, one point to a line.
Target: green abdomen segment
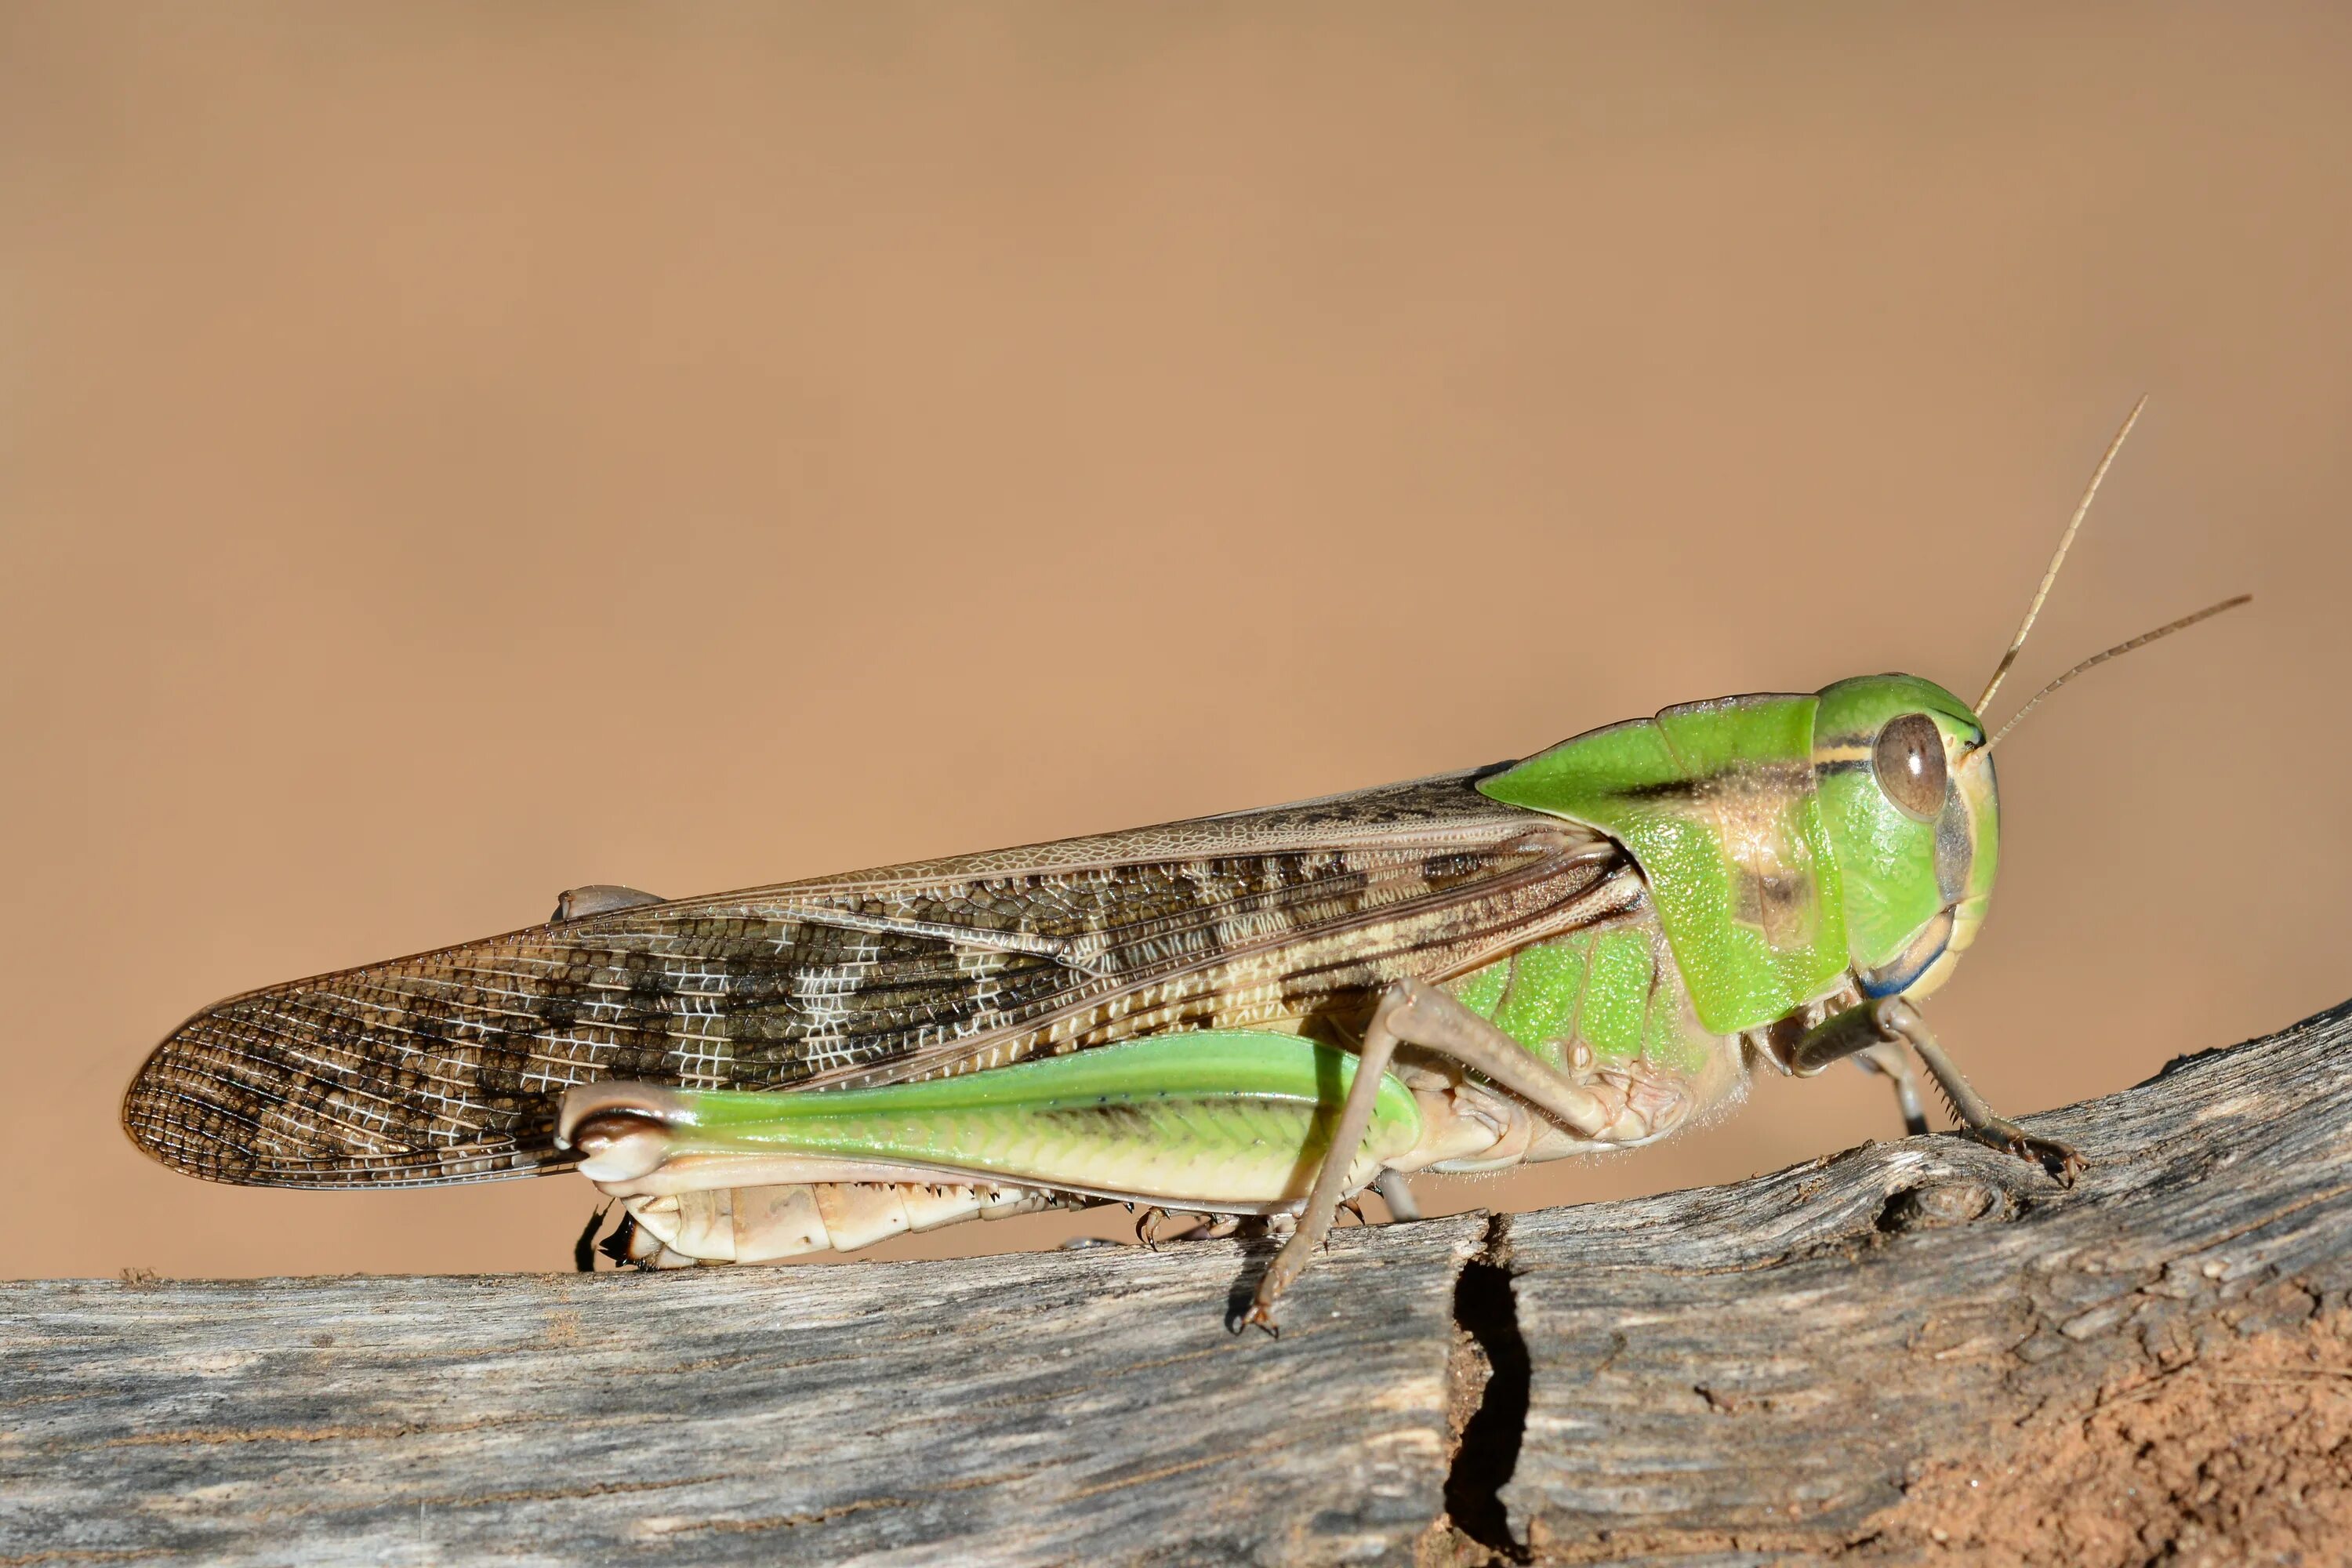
1215	1116
1615	992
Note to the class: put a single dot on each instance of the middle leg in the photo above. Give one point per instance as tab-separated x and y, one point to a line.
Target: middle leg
1889	1062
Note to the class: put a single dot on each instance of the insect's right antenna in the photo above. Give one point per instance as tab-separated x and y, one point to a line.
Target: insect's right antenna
2121	648
2065	541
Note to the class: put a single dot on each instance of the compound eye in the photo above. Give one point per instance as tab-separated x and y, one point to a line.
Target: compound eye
1908	759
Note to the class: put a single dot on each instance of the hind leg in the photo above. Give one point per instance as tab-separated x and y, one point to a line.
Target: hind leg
764	1225
1414	1014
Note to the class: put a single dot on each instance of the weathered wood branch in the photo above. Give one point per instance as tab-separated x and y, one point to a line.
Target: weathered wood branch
1734	1375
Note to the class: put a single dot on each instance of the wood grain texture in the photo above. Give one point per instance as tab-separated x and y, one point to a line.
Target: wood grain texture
1732	1375
1038	1407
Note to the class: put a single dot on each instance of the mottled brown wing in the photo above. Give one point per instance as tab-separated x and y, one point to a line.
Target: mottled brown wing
446	1067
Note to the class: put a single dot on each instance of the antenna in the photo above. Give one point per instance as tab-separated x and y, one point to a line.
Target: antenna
2121	648
2065	541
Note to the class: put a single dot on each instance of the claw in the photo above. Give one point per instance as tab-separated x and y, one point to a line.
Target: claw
1260	1315
2061	1162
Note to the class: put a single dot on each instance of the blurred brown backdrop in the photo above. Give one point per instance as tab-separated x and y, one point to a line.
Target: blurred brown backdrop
451	453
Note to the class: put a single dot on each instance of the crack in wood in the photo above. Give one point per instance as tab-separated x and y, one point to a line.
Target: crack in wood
1487	1397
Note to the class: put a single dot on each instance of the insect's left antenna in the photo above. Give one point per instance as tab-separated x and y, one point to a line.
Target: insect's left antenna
2058	559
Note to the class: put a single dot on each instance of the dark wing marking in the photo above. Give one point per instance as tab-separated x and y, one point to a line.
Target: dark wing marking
446	1067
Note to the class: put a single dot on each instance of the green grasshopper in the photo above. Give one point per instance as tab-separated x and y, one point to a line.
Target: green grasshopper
1257	1014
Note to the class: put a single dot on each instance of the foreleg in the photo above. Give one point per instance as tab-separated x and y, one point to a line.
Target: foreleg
1890	1020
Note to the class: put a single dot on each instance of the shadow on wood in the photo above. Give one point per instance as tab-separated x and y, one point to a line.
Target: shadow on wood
1838	1361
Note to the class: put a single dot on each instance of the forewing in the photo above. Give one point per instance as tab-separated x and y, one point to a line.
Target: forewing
446	1067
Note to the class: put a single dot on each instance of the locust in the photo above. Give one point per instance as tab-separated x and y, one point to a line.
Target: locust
1255	1015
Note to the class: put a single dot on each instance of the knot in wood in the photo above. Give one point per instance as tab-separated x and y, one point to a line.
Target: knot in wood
1941	1204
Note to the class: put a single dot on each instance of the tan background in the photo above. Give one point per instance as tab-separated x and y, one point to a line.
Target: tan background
447	454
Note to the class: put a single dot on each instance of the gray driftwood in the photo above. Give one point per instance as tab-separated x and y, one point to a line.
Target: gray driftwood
1737	1375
